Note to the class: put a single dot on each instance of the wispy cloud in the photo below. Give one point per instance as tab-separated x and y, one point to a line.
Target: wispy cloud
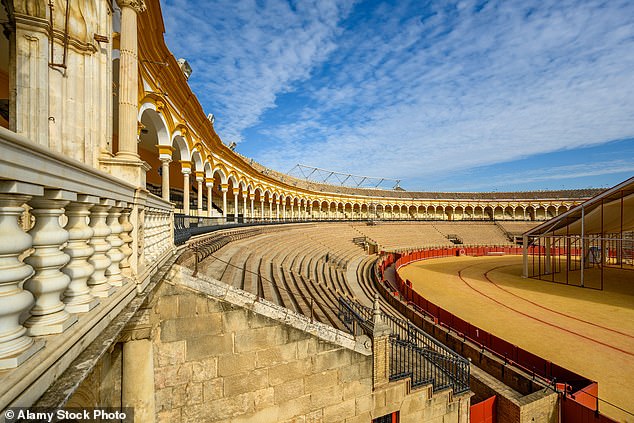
245	53
412	90
554	176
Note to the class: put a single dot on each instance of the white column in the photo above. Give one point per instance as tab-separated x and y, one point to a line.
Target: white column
224	188
284	210
98	281
271	209
137	379
262	209
165	178
77	297
235	205
277	210
48	314
199	180
113	272
210	206
252	207
244	208
186	190
128	78
15	345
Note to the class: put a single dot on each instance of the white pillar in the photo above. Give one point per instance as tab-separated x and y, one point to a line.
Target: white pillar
271	209
137	379
210	204
48	314
244	207
77	297
165	178
128	79
277	210
199	180
252	207
15	345
224	188
262	209
186	171
235	204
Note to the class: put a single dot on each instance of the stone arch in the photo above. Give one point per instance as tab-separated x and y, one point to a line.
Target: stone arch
222	173
181	146
197	160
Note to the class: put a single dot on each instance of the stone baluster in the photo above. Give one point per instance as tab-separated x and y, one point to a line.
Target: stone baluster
149	235
165	231
126	248
113	272
98	281
15	345
77	297
48	314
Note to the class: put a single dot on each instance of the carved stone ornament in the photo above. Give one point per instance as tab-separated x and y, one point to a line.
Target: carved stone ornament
137	5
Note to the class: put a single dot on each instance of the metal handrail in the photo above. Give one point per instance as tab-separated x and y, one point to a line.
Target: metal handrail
414	354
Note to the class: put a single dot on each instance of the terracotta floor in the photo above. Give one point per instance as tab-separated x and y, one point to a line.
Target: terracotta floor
591	332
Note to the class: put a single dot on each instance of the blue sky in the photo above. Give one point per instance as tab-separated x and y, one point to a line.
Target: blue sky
453	96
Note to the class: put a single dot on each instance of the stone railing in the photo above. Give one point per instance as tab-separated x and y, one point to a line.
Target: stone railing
76	245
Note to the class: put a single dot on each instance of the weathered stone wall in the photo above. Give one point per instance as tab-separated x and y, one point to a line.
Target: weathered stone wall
217	361
540	406
102	388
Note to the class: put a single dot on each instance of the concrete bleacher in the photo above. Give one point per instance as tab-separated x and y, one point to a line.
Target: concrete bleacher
394	236
306	268
517	228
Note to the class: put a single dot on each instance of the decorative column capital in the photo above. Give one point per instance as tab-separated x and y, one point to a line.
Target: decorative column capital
137	5
224	187
200	175
186	166
165	152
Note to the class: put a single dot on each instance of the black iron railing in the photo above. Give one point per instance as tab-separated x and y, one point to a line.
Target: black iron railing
414	354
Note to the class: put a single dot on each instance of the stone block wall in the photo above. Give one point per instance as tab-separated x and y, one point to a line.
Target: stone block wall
236	359
218	361
539	407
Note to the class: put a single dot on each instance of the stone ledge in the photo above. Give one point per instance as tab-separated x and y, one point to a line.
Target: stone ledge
213	288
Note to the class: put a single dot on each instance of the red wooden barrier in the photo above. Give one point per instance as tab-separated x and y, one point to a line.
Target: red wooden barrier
484	412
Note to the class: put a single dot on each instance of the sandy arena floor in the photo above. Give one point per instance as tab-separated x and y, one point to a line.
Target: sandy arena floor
588	331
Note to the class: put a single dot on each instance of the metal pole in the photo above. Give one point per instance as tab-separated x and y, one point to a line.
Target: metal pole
583	243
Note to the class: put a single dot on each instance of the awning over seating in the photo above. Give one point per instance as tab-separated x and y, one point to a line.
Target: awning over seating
611	211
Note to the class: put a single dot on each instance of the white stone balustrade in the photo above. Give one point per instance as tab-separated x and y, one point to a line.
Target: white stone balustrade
61	249
77	297
126	249
113	272
98	281
48	314
158	237
15	345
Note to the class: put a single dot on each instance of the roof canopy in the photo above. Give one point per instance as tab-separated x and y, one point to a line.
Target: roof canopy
611	211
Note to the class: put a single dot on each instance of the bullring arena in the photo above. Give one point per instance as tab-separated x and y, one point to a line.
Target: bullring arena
147	267
587	331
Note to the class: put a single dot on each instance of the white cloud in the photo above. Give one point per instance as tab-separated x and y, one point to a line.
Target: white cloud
411	91
244	53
